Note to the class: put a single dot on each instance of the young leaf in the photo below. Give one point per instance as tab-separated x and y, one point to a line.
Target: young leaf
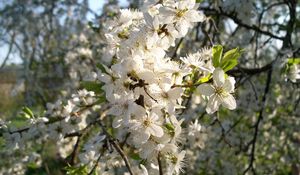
27	113
102	68
232	54
293	61
92	86
76	170
230	59
217	52
204	79
228	65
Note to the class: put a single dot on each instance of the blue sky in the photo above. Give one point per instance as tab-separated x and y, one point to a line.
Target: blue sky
95	5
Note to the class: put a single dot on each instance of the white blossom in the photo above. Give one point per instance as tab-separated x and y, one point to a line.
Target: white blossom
219	92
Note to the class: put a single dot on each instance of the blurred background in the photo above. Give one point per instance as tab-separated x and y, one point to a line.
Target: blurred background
35	36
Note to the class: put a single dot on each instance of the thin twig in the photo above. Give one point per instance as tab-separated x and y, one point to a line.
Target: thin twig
159	164
256	126
116	145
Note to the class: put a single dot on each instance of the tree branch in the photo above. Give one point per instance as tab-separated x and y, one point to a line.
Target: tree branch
256	126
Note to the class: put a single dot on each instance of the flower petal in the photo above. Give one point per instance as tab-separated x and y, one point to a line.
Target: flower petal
219	77
229	102
229	84
141	137
155	130
175	93
213	104
206	89
194	16
117	122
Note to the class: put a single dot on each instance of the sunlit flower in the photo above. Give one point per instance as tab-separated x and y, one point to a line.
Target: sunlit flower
219	92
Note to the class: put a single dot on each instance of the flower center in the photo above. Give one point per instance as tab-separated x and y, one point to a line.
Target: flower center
165	95
180	13
219	90
173	159
147	122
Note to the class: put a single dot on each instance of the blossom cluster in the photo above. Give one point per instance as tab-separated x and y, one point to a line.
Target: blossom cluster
145	91
145	87
58	121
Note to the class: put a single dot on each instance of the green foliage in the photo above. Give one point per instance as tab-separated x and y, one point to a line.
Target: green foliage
204	79
102	68
27	113
92	86
217	52
70	170
229	60
293	61
170	128
135	156
290	62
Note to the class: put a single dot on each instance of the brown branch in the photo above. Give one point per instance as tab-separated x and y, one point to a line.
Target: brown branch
9	51
96	164
256	126
240	23
159	164
74	114
116	145
75	151
176	48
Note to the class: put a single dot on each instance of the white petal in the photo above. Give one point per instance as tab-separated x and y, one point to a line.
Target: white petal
147	75
182	27
194	16
175	93
148	19
153	116
158	52
229	84
104	78
213	104
155	130
147	150
139	111
141	137
229	102
206	89
156	23
219	77
144	170
117	122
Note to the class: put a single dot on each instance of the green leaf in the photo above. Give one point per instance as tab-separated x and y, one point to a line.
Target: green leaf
204	79
27	113
293	61
102	68
199	1
32	165
217	51
76	170
135	156
290	62
169	126
228	65
101	99
92	86
230	59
